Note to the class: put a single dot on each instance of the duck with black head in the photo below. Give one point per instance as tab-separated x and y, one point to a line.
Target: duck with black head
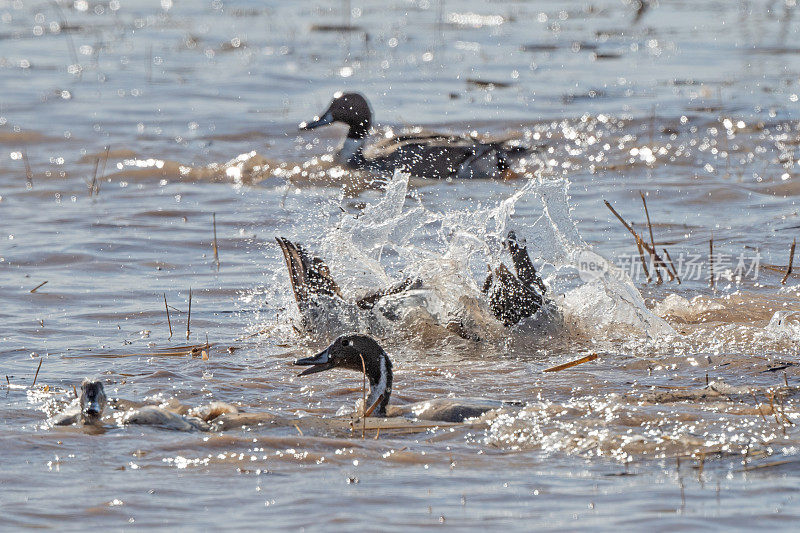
435	156
362	353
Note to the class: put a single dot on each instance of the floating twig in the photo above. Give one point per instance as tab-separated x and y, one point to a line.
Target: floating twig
169	322
38	286
37	372
576	362
791	260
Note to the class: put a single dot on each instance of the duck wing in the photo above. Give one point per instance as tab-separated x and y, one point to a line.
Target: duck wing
369	301
309	275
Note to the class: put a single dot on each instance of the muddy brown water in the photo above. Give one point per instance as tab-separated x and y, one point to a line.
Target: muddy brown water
687	419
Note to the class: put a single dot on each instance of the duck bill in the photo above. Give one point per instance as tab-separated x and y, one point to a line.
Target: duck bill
318	363
324	120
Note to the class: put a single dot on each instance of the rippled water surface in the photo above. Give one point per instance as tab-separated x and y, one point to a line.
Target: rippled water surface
131	130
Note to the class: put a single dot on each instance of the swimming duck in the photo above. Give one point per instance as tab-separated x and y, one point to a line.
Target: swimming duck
89	408
421	155
511	297
362	353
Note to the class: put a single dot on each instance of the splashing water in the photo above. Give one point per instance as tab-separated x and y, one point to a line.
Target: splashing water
398	237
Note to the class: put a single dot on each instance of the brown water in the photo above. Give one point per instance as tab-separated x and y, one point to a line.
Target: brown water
686	420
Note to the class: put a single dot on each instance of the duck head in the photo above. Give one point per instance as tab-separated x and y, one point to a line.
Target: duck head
351	109
93	401
358	353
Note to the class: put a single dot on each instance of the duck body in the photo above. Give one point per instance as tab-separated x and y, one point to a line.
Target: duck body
422	155
362	353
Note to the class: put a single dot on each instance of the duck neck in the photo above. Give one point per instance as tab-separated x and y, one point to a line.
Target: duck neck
352	152
380	385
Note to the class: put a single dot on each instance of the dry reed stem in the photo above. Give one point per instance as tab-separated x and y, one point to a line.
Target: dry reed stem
102	173
94	176
8	382
28	171
576	362
37	373
766	465
636	236
758	405
216	249
300	431
149	65
363	396
70	43
644	261
791	260
711	261
169	322
178	351
189	316
785	379
373	406
38	287
672	266
74	390
652	241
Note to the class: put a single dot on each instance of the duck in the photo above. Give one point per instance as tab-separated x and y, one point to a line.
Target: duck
436	156
89	408
510	297
362	353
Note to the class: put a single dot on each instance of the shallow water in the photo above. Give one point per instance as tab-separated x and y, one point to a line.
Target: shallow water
688	417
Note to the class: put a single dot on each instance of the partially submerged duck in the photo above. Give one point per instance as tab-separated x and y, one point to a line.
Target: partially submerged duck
421	155
511	297
362	353
88	409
